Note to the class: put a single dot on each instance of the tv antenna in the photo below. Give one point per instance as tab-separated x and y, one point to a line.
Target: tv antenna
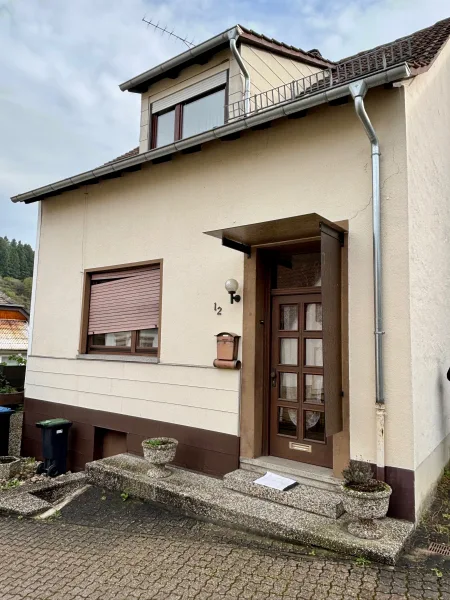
166	30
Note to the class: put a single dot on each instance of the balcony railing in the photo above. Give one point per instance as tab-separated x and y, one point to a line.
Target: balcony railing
344	72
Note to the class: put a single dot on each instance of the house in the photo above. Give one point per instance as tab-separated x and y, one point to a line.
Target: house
322	189
13	330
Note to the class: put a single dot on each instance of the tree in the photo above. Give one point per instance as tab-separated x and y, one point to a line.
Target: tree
14	265
27	287
29	254
4	251
16	259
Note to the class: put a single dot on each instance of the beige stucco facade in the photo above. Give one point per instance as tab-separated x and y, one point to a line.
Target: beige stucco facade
319	164
428	124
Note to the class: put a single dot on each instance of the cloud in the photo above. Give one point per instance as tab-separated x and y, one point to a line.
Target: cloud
61	111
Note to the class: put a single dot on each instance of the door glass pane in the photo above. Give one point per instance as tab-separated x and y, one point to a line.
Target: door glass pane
165	128
287	421
288	386
313	353
288	351
314	425
313	317
204	114
289	317
314	389
299	270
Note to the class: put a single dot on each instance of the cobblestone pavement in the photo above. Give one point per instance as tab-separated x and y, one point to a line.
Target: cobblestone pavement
103	547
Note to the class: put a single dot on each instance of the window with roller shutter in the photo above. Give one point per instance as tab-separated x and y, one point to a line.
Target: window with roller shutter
124	311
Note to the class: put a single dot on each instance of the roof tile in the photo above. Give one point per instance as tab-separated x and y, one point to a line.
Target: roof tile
13	334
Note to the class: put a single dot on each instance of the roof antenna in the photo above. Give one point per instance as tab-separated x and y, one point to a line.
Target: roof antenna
164	30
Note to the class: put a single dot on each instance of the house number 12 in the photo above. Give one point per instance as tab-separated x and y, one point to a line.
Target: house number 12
218	309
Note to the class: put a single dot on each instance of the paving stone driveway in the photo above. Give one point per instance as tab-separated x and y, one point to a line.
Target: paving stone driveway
105	548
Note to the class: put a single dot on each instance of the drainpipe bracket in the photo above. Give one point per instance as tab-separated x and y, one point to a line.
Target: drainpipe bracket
358	88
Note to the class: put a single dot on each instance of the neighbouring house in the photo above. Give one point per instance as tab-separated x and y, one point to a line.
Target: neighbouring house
13	330
270	165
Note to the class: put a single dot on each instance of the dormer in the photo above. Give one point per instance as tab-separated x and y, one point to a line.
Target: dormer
220	80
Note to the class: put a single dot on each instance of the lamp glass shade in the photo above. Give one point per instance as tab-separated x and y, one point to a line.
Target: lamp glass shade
231	285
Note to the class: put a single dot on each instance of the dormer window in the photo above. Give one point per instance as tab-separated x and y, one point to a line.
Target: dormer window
193	110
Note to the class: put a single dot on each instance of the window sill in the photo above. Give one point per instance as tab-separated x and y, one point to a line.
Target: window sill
119	358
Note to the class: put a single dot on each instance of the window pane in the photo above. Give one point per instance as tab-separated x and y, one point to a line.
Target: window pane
288	386
147	338
288	351
313	353
289	318
165	128
314	425
287	421
120	339
313	317
304	271
203	114
314	389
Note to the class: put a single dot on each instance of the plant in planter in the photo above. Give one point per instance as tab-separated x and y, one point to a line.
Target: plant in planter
158	452
8	393
364	498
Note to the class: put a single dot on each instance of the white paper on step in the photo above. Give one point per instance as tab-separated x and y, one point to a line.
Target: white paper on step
276	482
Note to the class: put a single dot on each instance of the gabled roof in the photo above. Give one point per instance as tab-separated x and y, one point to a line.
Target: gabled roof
4	299
7	303
401	58
425	45
128	154
203	52
13	335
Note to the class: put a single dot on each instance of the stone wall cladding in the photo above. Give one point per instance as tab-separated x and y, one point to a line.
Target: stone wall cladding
15	433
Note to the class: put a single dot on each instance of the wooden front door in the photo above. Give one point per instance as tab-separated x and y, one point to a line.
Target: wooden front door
297	407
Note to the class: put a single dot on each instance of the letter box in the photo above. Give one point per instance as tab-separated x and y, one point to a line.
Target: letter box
227	351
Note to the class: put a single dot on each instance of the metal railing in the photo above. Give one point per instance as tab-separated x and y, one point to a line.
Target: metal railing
344	72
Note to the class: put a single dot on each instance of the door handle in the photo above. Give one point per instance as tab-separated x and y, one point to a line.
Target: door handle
273	378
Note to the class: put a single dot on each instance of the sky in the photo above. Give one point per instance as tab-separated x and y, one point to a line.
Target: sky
61	61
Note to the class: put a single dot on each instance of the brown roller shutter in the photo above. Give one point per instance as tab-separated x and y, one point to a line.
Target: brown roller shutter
331	304
125	301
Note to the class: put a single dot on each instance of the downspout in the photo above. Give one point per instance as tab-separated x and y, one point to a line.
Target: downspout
244	70
358	91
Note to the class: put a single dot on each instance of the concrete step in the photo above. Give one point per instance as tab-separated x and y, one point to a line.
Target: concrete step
302	497
207	498
310	475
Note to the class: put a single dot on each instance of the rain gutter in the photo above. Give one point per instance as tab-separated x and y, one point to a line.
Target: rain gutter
181	59
264	116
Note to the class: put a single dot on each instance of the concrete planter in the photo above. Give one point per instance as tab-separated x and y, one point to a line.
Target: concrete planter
9	467
366	507
159	454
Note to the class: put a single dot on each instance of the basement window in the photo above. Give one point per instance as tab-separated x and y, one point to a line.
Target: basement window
123	311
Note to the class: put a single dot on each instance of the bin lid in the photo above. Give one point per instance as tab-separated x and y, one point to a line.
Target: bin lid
5	409
53	423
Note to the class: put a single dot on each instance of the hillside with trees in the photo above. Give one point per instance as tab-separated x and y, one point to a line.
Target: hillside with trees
16	270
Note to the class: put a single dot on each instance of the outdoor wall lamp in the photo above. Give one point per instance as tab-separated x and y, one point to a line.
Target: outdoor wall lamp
231	285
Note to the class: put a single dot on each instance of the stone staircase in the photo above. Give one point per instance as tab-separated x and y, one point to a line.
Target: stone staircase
310	475
303	497
307	514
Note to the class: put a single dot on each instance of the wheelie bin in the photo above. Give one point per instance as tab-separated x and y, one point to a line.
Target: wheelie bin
55	436
5	415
